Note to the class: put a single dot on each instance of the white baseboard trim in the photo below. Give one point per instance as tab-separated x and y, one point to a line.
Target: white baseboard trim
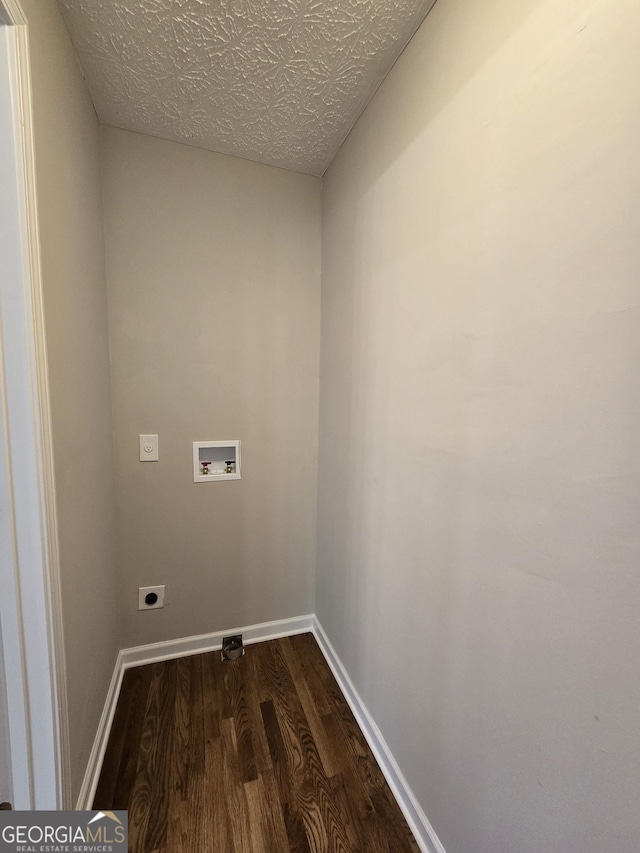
167	650
154	652
424	833
94	766
185	646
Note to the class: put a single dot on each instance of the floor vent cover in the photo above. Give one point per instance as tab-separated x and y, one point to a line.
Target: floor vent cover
232	647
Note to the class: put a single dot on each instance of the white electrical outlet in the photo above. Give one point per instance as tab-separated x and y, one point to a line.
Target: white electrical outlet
148	448
150	597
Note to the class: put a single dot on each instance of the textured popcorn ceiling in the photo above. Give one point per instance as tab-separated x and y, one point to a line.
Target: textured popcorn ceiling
279	81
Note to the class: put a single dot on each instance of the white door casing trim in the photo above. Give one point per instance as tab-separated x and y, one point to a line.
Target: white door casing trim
32	606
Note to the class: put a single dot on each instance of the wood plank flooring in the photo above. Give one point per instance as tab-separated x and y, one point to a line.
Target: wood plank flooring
259	755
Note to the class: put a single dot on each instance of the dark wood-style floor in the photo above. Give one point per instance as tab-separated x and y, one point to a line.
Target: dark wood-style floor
260	755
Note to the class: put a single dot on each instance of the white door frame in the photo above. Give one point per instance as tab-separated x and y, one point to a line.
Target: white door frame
30	600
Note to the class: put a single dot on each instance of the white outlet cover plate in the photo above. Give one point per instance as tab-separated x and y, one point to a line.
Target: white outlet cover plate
143	591
148	448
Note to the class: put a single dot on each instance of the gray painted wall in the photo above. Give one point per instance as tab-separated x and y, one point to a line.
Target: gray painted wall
71	231
479	472
214	297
